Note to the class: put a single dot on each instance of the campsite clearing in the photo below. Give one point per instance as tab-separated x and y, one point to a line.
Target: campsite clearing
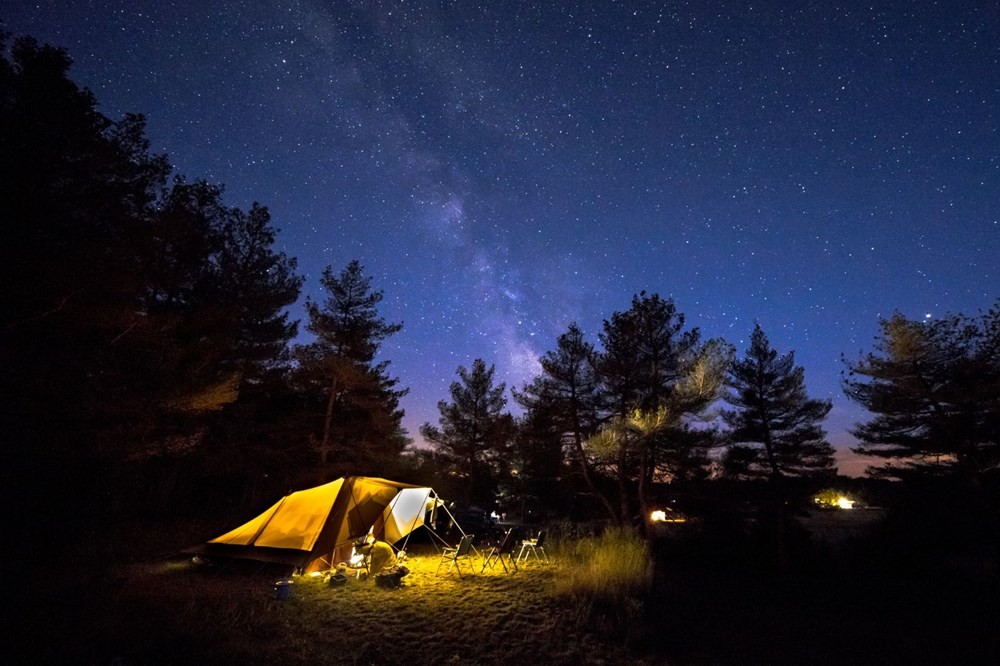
176	612
93	610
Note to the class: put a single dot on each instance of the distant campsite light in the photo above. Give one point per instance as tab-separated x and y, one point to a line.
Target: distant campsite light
834	499
666	516
845	503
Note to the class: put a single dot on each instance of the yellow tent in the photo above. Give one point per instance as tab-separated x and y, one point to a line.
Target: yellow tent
314	529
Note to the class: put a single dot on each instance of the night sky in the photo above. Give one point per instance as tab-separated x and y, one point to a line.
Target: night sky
502	169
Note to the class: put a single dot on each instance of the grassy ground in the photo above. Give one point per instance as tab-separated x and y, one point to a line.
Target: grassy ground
600	601
174	612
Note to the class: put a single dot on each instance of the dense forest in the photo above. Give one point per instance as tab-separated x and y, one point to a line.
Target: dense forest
151	372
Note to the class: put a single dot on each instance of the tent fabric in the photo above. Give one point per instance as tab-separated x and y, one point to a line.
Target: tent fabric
407	512
313	529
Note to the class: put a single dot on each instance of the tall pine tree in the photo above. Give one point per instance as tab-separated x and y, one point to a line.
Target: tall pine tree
474	434
650	363
132	310
933	390
356	425
775	428
775	433
565	396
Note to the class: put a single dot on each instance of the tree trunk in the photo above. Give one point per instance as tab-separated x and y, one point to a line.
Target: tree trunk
589	480
644	478
623	487
324	445
779	515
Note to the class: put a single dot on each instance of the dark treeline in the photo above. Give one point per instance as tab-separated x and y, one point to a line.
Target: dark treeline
145	340
149	371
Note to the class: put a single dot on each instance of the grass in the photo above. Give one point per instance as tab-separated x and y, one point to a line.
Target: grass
610	566
606	581
174	612
597	602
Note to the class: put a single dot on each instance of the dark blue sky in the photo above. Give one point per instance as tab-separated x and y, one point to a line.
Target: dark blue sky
502	169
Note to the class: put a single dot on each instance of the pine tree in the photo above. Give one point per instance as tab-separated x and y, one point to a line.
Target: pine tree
474	434
360	429
650	363
565	396
259	284
933	388
775	432
75	191
645	348
131	311
776	429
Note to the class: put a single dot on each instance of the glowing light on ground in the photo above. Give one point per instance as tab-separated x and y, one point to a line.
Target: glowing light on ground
844	503
665	516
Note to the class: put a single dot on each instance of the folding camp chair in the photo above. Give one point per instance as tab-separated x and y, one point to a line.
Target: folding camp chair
463	551
497	553
534	547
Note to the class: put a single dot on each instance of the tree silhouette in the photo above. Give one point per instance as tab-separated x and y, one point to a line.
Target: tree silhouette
566	393
360	429
776	427
775	432
934	390
474	434
132	311
660	439
649	362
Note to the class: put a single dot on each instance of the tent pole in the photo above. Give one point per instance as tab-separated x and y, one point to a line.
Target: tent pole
455	523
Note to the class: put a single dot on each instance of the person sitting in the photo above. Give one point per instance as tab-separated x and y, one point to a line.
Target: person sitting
380	554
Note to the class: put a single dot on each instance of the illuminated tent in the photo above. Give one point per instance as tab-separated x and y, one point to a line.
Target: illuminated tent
314	529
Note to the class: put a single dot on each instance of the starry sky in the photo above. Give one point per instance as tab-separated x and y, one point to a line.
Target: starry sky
502	169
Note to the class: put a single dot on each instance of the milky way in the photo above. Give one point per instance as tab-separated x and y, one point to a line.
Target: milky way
503	169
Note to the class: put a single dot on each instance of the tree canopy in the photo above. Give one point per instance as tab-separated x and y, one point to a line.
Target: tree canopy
474	434
625	412
775	428
353	414
933	388
136	304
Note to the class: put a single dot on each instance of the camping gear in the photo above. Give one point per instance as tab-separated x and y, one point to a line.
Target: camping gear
391	577
314	529
533	546
497	553
455	556
283	589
